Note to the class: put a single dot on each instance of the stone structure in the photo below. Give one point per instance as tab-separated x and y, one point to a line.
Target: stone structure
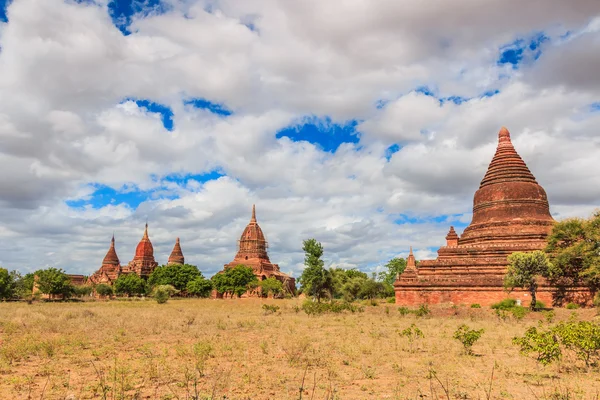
510	213
110	269
252	252
176	256
143	262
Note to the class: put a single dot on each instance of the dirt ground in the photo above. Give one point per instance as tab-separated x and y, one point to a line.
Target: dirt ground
229	349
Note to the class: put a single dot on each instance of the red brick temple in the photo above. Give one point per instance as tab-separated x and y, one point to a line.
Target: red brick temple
510	213
252	252
176	257
143	262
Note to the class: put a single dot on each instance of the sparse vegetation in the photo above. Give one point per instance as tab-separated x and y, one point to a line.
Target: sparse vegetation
467	337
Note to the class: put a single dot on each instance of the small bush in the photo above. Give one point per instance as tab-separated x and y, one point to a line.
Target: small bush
583	338
162	293
270	309
422	311
316	308
544	344
475	305
519	312
597	300
572	306
404	311
412	333
505	304
104	290
539	305
390	300
467	337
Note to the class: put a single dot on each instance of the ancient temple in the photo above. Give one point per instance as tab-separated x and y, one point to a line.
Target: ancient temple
176	256
252	252
143	262
110	269
510	213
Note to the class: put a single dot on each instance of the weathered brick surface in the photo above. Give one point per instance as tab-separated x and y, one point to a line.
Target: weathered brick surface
176	256
510	213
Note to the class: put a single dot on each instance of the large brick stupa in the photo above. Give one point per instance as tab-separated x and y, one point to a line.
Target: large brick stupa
510	213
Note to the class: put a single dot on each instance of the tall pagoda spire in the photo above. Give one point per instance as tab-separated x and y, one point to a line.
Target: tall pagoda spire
111	257
176	256
253	218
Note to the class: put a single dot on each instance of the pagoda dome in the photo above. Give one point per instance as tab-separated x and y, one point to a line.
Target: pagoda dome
252	242
509	195
176	256
144	248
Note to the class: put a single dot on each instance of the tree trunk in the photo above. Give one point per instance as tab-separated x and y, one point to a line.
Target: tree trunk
532	290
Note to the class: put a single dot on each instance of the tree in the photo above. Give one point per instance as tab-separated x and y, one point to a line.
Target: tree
24	285
104	290
574	251
7	284
236	280
200	287
130	284
316	281
175	275
270	285
523	271
393	268
53	282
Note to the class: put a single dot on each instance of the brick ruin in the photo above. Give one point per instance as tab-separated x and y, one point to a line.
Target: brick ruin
510	213
143	262
252	252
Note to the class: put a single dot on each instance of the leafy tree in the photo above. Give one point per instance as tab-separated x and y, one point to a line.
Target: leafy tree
7	284
524	270
393	268
54	281
544	343
129	284
175	275
271	285
316	281
104	290
82	290
200	287
574	250
162	293
582	337
236	280
24	285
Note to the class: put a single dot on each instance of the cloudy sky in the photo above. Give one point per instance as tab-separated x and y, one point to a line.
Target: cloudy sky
367	125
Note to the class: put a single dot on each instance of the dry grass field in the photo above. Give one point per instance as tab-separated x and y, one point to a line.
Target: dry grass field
228	349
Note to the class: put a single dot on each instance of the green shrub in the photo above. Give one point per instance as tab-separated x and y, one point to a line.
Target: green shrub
539	305
423	310
404	311
390	300
504	304
316	308
475	305
597	300
583	338
544	343
518	312
572	306
467	337
104	290
270	309
162	293
412	333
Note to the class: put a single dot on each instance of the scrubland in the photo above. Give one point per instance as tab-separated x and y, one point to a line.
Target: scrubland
230	349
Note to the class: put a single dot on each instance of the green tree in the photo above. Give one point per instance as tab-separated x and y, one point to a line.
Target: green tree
271	285
200	287
53	282
524	269
162	293
7	284
393	268
235	281
316	281
574	251
104	290
24	285
129	284
175	275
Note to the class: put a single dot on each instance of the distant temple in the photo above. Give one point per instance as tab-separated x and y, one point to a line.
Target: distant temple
252	252
143	262
510	213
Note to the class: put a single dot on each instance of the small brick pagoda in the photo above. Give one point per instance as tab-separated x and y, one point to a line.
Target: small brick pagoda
252	252
176	256
510	213
110	269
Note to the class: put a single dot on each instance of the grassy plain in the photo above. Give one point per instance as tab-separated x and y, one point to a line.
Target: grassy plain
228	349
